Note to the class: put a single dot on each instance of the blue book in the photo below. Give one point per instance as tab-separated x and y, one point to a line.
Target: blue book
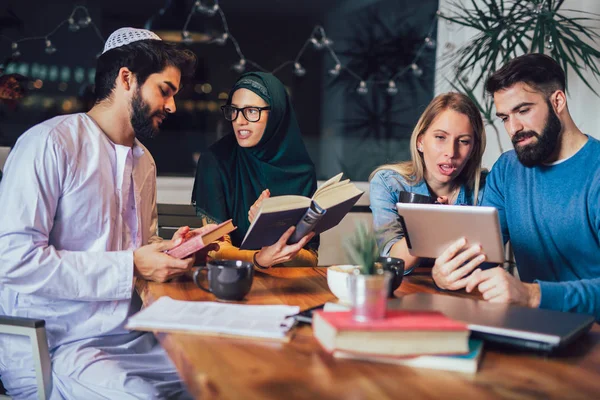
466	363
328	206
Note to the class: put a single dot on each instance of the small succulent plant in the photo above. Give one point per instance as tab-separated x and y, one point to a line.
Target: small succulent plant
361	248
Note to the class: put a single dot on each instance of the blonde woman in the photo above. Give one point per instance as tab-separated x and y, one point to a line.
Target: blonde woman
446	149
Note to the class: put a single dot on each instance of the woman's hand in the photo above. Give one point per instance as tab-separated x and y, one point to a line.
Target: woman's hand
281	252
256	206
457	261
201	255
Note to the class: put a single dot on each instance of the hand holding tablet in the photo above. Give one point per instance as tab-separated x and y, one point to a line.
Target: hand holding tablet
430	229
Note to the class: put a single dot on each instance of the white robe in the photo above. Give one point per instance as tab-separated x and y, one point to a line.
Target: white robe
67	234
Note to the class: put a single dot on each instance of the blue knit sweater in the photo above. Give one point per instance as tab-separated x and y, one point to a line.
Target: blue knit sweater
551	214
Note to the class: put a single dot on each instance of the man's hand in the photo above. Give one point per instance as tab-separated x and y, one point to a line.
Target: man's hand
256	206
498	286
281	252
455	262
151	263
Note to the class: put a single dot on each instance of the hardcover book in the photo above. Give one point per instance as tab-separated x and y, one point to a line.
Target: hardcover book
400	333
328	206
466	363
194	241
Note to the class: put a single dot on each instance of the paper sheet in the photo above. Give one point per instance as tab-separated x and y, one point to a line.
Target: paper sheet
270	321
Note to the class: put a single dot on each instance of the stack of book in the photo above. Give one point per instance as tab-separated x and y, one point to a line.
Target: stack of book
413	338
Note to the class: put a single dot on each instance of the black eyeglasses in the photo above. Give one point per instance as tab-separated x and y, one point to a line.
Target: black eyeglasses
252	114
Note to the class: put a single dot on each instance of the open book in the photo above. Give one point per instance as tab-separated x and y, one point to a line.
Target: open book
215	319
330	203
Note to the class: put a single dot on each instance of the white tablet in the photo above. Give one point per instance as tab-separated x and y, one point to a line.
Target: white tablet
430	228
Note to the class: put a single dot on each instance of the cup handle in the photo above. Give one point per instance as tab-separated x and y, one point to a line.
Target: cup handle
196	277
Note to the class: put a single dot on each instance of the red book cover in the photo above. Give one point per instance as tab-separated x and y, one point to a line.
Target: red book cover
395	320
193	241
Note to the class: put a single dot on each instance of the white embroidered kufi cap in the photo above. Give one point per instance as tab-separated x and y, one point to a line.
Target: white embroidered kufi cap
124	36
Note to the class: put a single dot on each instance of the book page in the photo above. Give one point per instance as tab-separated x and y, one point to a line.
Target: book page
331	187
212	317
331	198
328	183
283	203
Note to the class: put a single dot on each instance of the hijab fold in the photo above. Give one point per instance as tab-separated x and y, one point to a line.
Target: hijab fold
230	178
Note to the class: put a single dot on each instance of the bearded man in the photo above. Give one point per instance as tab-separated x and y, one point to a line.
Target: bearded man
79	226
547	192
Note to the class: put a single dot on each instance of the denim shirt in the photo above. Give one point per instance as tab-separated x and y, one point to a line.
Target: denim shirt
384	193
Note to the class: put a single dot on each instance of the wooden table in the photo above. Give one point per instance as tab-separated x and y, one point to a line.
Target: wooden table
222	368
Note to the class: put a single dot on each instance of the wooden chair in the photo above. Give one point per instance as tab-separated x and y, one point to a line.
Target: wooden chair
35	329
173	216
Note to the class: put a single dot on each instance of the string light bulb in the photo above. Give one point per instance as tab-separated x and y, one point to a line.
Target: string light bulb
240	66
326	42
416	70
73	27
316	43
362	88
299	70
430	43
15	50
213	10
208	11
221	40
335	71
50	49
392	89
85	21
186	37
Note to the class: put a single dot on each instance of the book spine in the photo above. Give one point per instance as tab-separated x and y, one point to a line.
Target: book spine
307	223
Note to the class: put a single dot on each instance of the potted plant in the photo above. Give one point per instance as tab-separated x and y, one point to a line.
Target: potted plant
369	284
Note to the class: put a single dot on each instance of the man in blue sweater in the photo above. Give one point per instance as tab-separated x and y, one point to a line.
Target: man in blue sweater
547	192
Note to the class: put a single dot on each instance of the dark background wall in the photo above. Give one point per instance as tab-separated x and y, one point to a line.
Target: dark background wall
343	131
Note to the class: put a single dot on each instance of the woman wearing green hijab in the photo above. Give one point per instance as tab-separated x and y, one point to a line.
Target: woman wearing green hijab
263	156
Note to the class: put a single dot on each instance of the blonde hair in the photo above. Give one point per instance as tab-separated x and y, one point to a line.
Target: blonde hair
413	171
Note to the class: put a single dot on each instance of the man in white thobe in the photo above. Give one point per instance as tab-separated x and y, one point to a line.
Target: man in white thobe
78	226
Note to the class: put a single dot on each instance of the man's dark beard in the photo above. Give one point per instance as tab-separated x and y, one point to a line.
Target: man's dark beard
141	118
537	153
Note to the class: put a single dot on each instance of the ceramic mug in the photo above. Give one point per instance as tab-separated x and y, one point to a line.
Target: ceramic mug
396	267
227	279
338	281
409	197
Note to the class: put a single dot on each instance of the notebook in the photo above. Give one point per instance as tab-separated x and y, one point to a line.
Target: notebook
523	327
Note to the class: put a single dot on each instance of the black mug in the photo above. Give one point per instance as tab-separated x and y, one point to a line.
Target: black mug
409	197
227	279
396	267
